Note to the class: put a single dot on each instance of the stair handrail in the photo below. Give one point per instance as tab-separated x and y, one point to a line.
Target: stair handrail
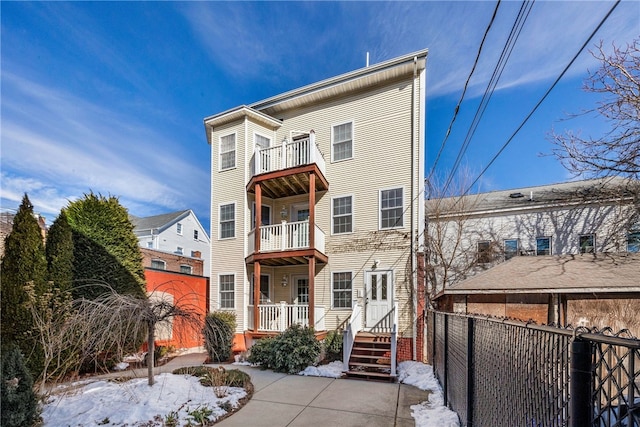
385	324
349	335
394	341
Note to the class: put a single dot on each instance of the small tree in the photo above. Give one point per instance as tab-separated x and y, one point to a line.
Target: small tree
617	152
105	248
19	402
218	332
24	262
59	252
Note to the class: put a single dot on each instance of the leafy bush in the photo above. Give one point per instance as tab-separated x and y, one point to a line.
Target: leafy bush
290	352
19	402
332	346
218	332
234	377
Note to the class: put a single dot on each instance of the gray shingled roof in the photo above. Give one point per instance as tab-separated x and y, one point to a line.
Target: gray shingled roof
586	273
157	221
543	195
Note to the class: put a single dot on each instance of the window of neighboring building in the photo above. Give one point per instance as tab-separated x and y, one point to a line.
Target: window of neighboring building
341	285
179	250
228	152
265	216
195	234
543	246
587	243
633	241
484	252
227	284
264	289
391	208
227	221
179	228
342	142
150	245
185	269
342	215
510	248
158	264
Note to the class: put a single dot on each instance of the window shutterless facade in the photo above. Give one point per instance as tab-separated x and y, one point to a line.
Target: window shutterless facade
342	289
342	218
543	246
227	152
180	250
227	221
265	216
226	285
633	241
179	228
158	264
484	252
510	248
391	202
587	243
185	269
195	235
342	142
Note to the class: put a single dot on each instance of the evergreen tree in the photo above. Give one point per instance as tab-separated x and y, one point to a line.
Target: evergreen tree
59	252
19	401
105	248
24	261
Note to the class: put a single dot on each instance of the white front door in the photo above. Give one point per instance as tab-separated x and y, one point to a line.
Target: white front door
379	296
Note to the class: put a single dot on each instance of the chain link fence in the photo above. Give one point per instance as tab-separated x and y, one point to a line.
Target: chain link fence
506	373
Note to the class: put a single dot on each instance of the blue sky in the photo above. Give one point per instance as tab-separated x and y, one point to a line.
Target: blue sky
110	97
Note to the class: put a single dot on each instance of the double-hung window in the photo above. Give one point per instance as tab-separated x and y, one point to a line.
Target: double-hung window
342	215
543	246
185	269
341	284
391	208
633	241
227	221
587	243
342	142
484	252
510	248
226	283
179	228
195	235
158	264
228	152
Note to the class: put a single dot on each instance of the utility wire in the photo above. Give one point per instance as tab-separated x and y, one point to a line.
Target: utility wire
504	146
464	90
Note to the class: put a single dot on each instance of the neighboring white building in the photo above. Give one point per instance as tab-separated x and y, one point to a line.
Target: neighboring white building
332	174
178	233
471	234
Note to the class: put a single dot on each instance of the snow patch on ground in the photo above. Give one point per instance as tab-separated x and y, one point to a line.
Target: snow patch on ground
330	370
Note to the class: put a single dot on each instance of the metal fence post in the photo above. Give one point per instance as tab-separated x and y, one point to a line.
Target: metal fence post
580	413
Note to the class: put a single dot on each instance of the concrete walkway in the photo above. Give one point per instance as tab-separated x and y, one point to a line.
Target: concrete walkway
281	400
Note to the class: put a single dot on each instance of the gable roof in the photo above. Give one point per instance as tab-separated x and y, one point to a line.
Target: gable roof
535	197
159	222
585	273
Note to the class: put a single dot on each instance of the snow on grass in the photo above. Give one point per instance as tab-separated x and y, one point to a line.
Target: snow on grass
330	370
431	413
135	403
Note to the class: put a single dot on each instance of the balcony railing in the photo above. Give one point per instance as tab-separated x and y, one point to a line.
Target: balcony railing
290	154
286	236
279	317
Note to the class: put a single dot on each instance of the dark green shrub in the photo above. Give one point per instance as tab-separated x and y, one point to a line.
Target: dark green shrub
19	402
332	345
233	377
290	352
218	332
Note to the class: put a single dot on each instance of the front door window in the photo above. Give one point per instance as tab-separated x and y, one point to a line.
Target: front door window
379	296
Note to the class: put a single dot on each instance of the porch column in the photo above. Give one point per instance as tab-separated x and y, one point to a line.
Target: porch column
256	295
312	291
258	215
312	210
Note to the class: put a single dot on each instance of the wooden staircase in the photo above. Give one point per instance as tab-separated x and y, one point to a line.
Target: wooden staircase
371	357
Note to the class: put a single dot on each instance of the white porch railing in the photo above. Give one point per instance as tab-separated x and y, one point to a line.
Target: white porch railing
289	154
349	335
279	317
286	236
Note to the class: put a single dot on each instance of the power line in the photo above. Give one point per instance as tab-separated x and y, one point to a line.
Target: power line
464	90
504	146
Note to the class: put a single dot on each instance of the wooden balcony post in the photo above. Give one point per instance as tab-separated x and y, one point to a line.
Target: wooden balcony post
256	296
258	214
312	291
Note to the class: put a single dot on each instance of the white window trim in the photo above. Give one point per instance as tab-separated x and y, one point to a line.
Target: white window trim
234	290
593	235
353	140
186	265
333	290
550	244
179	228
270	138
253	209
235	220
235	152
380	208
164	263
353	214
196	235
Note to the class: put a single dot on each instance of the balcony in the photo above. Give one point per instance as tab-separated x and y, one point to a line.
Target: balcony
284	170
279	317
286	236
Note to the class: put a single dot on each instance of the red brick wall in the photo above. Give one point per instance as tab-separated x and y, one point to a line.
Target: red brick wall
189	292
172	261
